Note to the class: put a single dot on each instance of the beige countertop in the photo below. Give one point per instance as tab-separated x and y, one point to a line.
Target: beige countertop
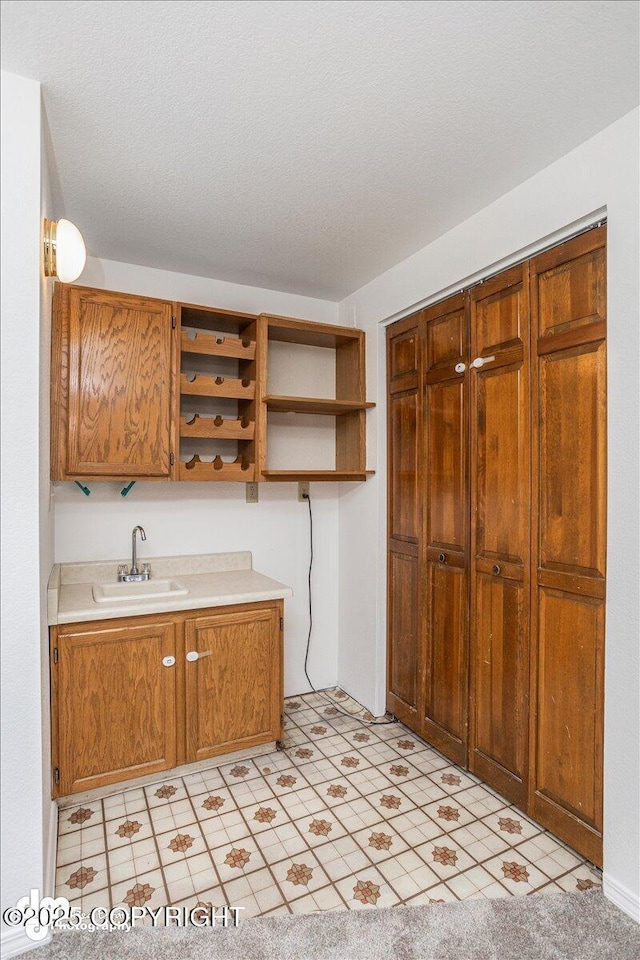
213	580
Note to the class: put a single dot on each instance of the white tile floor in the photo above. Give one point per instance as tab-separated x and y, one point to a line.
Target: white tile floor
348	816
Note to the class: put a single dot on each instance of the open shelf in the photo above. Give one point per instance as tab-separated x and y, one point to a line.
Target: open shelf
209	385
211	345
217	469
221	428
220	410
314	405
345	369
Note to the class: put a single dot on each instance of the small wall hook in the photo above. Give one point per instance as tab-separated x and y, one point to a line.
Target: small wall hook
82	487
125	490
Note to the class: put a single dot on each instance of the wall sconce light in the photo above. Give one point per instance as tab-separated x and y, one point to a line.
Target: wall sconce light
64	251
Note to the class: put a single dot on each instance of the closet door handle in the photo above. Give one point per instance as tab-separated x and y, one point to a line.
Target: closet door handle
480	362
460	367
496	569
442	557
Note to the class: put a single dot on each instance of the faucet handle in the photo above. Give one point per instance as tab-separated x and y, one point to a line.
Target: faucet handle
146	568
122	569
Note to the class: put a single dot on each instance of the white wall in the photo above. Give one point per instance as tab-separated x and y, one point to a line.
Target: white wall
204	518
49	808
600	175
25	805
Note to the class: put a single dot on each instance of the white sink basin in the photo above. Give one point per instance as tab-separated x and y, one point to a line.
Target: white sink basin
144	590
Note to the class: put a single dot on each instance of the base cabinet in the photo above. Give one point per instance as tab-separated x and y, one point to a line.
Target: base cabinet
135	696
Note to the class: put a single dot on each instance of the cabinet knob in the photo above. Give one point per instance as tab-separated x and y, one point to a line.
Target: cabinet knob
460	367
442	557
496	568
168	661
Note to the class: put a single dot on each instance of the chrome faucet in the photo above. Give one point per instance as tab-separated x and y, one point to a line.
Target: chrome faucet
134	574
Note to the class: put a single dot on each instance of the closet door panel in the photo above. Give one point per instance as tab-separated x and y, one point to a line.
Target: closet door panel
500	546
446	502
572	445
403	624
570	652
501	676
568	296
445	722
445	557
403	425
502	464
405	666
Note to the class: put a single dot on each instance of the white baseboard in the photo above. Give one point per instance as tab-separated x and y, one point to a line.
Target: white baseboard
14	942
51	853
622	897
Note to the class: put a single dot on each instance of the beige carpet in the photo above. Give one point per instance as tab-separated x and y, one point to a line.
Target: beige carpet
583	926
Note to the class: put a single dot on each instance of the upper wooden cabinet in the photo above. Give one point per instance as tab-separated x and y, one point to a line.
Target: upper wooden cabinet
112	371
157	390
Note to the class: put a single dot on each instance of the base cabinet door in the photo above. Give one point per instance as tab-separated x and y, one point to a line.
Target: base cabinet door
114	695
233	680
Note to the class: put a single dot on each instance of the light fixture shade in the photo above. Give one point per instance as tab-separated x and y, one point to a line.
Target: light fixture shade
64	251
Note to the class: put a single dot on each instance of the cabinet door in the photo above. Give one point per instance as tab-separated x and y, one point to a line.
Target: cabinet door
119	385
568	296
115	703
446	527
234	689
404	642
500	549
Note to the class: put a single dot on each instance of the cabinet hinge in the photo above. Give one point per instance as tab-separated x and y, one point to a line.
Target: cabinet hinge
172	459
282	623
56	774
56	655
174	323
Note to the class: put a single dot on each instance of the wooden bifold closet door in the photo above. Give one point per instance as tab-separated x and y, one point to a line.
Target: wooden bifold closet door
500	507
497	532
445	496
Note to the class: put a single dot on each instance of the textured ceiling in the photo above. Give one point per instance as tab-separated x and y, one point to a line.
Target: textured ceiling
308	146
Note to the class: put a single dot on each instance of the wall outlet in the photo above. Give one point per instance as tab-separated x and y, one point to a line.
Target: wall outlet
251	492
303	490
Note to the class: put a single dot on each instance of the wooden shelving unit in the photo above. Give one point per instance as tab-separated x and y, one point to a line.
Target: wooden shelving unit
194	404
220	410
348	407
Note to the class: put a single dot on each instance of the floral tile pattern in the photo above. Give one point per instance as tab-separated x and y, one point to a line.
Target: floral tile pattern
349	816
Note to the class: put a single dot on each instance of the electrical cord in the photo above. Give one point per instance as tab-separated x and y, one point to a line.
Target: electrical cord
321	693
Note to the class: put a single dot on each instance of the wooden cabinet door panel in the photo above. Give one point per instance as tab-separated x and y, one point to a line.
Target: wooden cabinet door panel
404	647
500	539
233	689
116	704
119	413
445	556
